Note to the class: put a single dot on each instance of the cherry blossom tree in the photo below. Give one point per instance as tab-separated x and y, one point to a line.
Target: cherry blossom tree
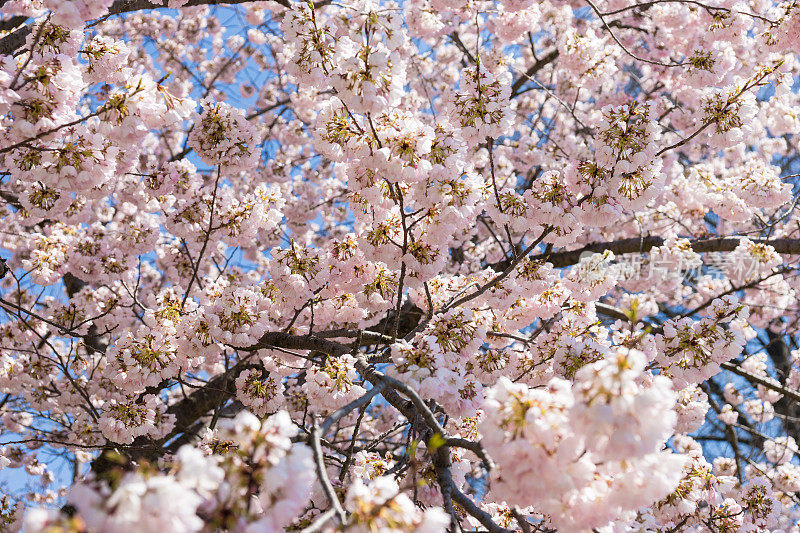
435	265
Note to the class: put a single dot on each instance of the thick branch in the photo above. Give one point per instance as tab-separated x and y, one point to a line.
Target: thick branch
532	71
299	342
645	244
764	382
780	354
187	412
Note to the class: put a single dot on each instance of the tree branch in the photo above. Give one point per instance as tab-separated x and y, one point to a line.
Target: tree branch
532	70
187	412
645	244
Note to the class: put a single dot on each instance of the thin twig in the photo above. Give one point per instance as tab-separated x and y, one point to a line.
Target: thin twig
314	442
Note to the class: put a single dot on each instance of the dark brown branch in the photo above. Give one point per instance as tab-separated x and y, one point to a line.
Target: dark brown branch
298	342
645	244
764	382
13	22
532	71
187	412
415	410
780	354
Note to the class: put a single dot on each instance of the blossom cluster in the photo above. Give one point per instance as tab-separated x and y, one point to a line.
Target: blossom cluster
588	453
399	266
199	484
